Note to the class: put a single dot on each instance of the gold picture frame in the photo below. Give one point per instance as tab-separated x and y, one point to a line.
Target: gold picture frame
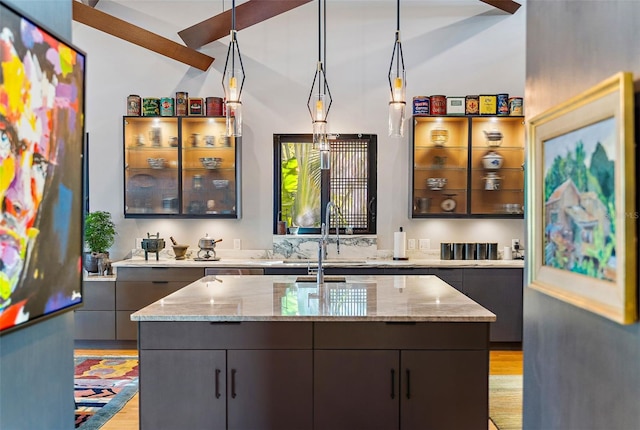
581	207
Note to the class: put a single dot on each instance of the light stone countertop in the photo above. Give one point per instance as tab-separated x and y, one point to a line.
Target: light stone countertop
280	298
355	262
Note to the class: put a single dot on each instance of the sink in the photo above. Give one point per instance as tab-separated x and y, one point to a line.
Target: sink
328	261
312	278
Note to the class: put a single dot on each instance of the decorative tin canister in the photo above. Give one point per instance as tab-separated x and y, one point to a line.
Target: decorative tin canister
421	105
455	105
515	106
502	101
438	105
214	106
182	103
133	105
488	104
166	106
196	106
472	105
151	106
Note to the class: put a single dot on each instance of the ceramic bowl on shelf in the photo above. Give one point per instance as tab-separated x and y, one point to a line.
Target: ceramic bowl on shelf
492	160
494	138
211	162
156	163
436	184
220	183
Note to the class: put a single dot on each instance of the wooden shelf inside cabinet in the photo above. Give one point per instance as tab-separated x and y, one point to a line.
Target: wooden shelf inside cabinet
455	148
200	174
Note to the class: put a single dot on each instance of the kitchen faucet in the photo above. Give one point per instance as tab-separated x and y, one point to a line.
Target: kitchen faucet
324	238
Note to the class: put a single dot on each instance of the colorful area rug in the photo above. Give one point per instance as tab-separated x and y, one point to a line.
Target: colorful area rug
505	401
103	385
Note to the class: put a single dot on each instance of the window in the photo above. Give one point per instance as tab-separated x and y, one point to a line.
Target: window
302	190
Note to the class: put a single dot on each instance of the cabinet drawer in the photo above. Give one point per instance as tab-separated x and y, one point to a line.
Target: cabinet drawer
225	335
185	274
381	335
132	296
98	296
95	325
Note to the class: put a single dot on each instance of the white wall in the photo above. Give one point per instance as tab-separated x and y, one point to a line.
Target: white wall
454	47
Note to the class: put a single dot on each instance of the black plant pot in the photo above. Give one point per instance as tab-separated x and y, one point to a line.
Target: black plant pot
90	261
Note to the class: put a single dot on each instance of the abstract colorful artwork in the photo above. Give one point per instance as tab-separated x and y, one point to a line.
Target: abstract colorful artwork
41	143
581	205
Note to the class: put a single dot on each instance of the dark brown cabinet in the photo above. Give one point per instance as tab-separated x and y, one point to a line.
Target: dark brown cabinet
108	305
235	376
400	376
139	287
314	375
500	291
95	320
229	389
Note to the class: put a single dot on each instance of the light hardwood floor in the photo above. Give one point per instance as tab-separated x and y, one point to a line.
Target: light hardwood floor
500	363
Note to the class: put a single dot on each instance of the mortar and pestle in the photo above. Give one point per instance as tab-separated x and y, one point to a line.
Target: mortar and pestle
179	250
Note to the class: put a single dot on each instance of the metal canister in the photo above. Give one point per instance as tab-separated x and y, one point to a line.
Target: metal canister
472	105
502	101
182	103
196	106
458	251
481	251
470	251
214	106
151	106
446	251
438	105
515	106
492	251
166	106
488	104
133	105
421	105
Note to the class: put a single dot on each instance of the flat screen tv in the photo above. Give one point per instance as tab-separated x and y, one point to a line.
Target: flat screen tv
42	86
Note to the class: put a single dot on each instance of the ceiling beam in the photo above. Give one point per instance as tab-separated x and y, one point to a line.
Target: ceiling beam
505	5
247	14
139	36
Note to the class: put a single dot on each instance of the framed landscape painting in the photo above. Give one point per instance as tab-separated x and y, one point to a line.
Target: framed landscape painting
581	201
42	85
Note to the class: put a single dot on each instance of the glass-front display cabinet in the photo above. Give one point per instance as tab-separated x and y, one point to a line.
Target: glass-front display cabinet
467	166
497	166
180	167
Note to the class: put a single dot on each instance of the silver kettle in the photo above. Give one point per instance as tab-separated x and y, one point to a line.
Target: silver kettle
207	245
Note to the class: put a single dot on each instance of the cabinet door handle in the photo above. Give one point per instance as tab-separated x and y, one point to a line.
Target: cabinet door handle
159	282
393	383
408	384
233	383
217	383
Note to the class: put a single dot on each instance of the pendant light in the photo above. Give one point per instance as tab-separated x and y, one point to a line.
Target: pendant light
319	101
233	81
397	84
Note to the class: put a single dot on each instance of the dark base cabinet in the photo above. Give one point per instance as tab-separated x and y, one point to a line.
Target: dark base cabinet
500	291
314	375
235	376
140	286
95	320
108	305
219	389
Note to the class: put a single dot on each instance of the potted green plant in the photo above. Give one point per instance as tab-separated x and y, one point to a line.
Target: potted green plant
99	235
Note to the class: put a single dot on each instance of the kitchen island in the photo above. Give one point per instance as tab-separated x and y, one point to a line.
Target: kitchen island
276	352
